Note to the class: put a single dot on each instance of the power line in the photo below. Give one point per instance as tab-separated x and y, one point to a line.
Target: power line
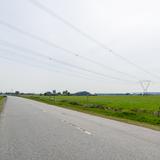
48	65
45	41
72	65
34	53
42	67
22	61
89	37
48	68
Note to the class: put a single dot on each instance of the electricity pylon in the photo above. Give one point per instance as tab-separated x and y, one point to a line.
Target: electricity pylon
145	85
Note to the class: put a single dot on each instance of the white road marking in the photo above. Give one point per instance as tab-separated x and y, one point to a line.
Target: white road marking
79	128
84	131
89	133
73	125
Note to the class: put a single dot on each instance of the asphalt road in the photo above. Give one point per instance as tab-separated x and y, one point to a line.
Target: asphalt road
31	130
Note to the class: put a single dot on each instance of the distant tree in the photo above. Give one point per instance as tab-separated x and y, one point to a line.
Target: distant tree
66	93
54	92
59	93
17	92
127	93
47	93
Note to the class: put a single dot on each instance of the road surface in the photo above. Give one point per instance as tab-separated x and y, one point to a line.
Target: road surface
32	130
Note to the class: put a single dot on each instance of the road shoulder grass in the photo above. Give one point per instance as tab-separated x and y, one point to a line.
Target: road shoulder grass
2	99
140	120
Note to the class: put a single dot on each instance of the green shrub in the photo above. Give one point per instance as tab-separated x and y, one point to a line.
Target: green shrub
94	106
74	103
63	100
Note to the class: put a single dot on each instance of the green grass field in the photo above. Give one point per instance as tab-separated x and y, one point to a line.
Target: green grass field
139	109
1	103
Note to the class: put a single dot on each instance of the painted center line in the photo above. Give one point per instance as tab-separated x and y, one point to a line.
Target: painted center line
83	130
89	133
77	127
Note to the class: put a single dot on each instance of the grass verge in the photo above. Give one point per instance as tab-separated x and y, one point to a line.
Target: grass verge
137	110
2	99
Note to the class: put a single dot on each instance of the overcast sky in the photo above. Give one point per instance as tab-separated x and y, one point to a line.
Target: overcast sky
129	27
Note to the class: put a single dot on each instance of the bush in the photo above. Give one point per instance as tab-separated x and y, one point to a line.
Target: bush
63	100
136	110
156	113
94	106
128	113
74	103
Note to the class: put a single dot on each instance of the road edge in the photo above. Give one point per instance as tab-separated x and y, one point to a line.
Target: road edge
132	122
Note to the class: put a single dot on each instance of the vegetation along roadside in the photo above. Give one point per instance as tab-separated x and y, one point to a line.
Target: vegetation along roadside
2	100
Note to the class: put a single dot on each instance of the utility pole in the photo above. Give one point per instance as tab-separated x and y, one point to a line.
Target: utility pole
87	99
54	94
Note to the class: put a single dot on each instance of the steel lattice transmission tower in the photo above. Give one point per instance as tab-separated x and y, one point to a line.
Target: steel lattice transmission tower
145	85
